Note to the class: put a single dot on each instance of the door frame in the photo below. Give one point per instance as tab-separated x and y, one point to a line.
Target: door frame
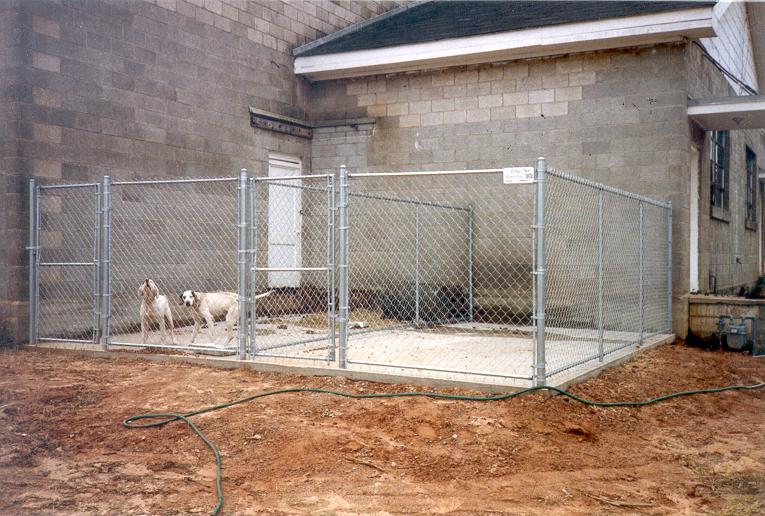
694	198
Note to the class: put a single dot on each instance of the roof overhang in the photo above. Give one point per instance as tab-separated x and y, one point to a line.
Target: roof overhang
728	113
520	44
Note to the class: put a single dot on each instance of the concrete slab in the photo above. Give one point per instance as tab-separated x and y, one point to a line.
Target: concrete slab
486	357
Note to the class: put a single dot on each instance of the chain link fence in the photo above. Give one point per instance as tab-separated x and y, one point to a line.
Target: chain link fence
513	276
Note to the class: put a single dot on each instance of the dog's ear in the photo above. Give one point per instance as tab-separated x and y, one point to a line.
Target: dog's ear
181	301
194	294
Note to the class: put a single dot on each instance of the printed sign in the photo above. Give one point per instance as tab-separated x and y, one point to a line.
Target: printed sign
518	175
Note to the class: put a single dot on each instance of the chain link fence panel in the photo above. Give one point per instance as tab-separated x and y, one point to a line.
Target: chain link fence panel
182	235
440	274
607	267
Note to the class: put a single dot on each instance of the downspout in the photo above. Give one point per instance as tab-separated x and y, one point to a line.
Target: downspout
761	182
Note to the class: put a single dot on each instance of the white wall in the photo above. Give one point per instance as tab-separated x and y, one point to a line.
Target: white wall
733	45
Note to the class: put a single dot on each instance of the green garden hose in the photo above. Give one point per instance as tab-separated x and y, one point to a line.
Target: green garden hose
161	419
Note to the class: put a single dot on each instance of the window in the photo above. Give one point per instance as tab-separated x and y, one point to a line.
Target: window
751	187
719	147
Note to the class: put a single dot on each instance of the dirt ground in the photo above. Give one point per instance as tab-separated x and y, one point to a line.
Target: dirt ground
63	449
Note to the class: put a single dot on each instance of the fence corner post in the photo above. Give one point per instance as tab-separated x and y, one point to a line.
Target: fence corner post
669	266
106	265
343	268
33	251
471	218
601	354
641	261
539	375
241	334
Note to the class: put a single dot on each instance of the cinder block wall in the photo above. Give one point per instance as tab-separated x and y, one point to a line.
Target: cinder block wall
144	89
728	249
13	219
615	117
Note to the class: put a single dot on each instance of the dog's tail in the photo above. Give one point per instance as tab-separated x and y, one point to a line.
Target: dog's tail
259	296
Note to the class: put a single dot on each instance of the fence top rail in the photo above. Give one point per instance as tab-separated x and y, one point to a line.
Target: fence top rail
605	188
428	173
290	178
174	181
72	185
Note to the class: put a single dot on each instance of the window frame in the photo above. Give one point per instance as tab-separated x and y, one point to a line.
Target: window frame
750	204
719	162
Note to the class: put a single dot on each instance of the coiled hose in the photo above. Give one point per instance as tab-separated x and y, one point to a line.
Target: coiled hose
160	419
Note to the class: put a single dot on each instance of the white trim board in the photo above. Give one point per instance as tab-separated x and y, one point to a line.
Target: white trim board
746	112
520	44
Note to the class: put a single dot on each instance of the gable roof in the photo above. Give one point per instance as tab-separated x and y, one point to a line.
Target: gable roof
438	20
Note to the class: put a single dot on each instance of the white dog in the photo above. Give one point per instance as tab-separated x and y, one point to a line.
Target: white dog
206	306
154	307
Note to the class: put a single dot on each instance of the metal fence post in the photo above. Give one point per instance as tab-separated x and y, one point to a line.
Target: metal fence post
417	265
97	268
642	276
33	251
600	275
470	261
539	274
343	268
331	265
253	265
669	266
241	336
106	263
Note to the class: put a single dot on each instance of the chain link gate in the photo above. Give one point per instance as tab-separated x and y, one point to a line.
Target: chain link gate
64	273
292	267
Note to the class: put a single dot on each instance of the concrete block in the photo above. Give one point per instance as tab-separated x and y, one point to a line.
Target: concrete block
489	101
443	79
442	105
513	99
478	115
466	103
431	119
397	109
568	93
581	78
528	110
422	106
541	96
46	62
555	81
455	117
46	26
555	109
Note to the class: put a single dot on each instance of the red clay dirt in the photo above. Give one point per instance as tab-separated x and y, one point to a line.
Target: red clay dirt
63	449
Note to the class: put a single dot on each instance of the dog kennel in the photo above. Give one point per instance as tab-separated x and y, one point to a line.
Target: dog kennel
512	276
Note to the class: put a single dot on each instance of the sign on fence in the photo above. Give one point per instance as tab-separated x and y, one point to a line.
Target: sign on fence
518	175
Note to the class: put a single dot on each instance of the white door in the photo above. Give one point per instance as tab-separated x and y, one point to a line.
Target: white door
284	223
694	230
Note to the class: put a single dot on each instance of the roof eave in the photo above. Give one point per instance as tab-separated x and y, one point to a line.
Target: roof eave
521	44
